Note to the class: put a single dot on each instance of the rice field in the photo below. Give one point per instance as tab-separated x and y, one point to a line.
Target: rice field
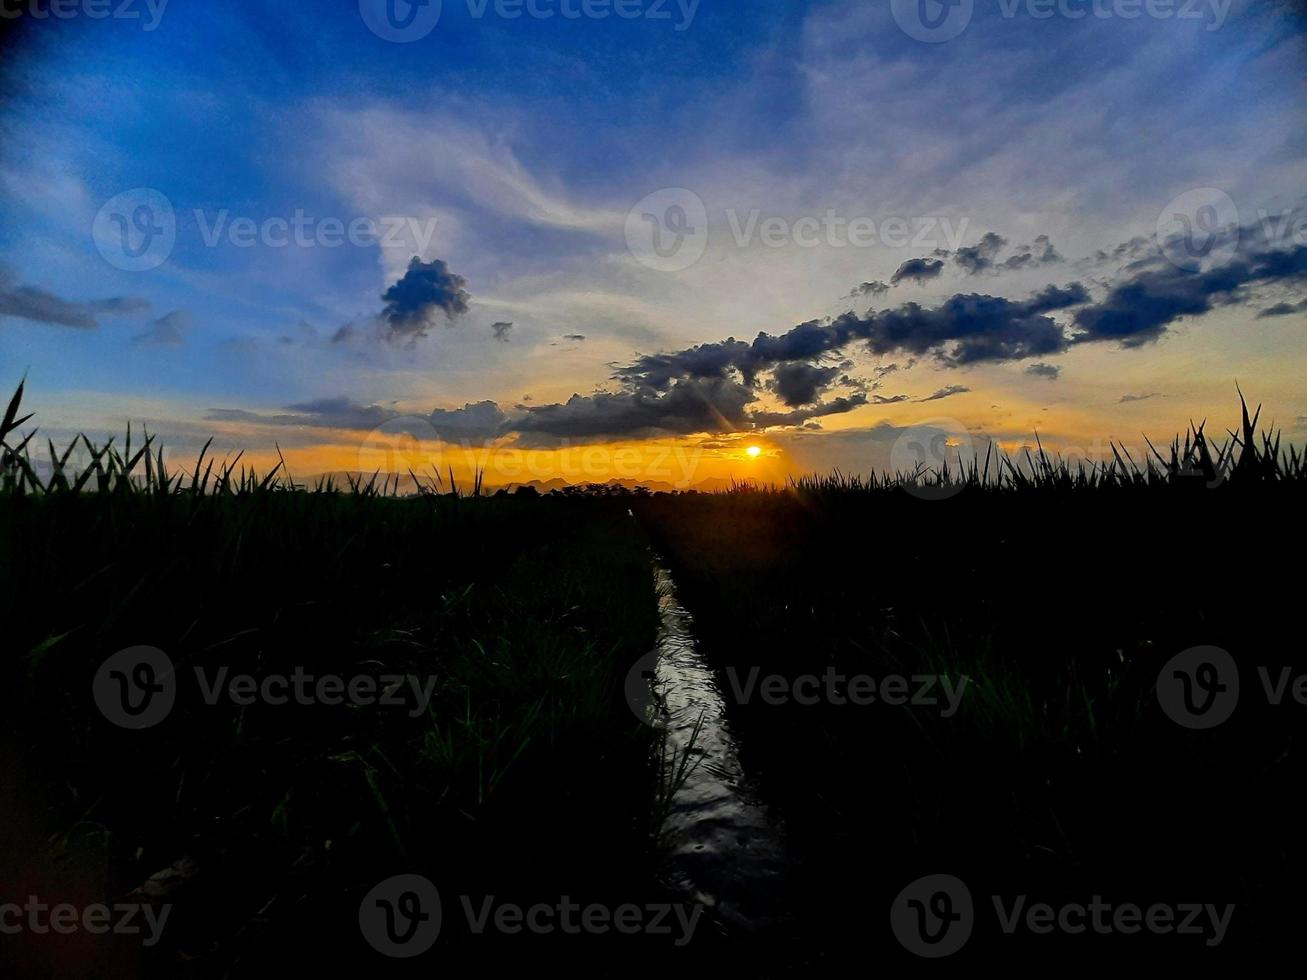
498	753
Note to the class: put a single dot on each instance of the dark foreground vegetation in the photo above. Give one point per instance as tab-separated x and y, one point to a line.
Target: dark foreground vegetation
527	777
1058	593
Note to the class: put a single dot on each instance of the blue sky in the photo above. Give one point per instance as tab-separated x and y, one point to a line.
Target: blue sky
513	150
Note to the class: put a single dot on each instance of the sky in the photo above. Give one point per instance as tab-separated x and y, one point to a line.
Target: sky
592	239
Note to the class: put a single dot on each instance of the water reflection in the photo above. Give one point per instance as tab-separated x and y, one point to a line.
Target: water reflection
723	846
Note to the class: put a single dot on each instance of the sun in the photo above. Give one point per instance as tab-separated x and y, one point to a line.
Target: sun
754	451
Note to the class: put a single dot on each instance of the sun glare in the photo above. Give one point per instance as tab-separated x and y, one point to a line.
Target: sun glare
754	451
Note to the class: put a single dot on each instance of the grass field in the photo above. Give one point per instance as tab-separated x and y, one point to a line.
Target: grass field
527	775
1057	593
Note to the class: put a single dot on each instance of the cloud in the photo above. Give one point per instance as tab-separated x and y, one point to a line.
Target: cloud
575	337
1139	310
684	407
1283	309
798	383
1139	398
979	258
836	406
474	422
873	288
501	330
167	331
948	392
889	399
972	328
425	289
41	306
965	329
1049	371
1041	252
918	270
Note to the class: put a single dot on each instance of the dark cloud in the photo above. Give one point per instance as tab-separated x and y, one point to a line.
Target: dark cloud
965	329
335	413
575	337
501	330
1049	371
798	383
948	392
474	422
873	288
918	270
1041	252
1139	310
1283	309
836	406
411	304
979	258
1133	249
167	331
41	306
1139	398
684	407
889	399
971	328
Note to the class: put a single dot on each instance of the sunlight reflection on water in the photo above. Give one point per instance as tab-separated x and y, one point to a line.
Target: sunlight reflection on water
724	847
